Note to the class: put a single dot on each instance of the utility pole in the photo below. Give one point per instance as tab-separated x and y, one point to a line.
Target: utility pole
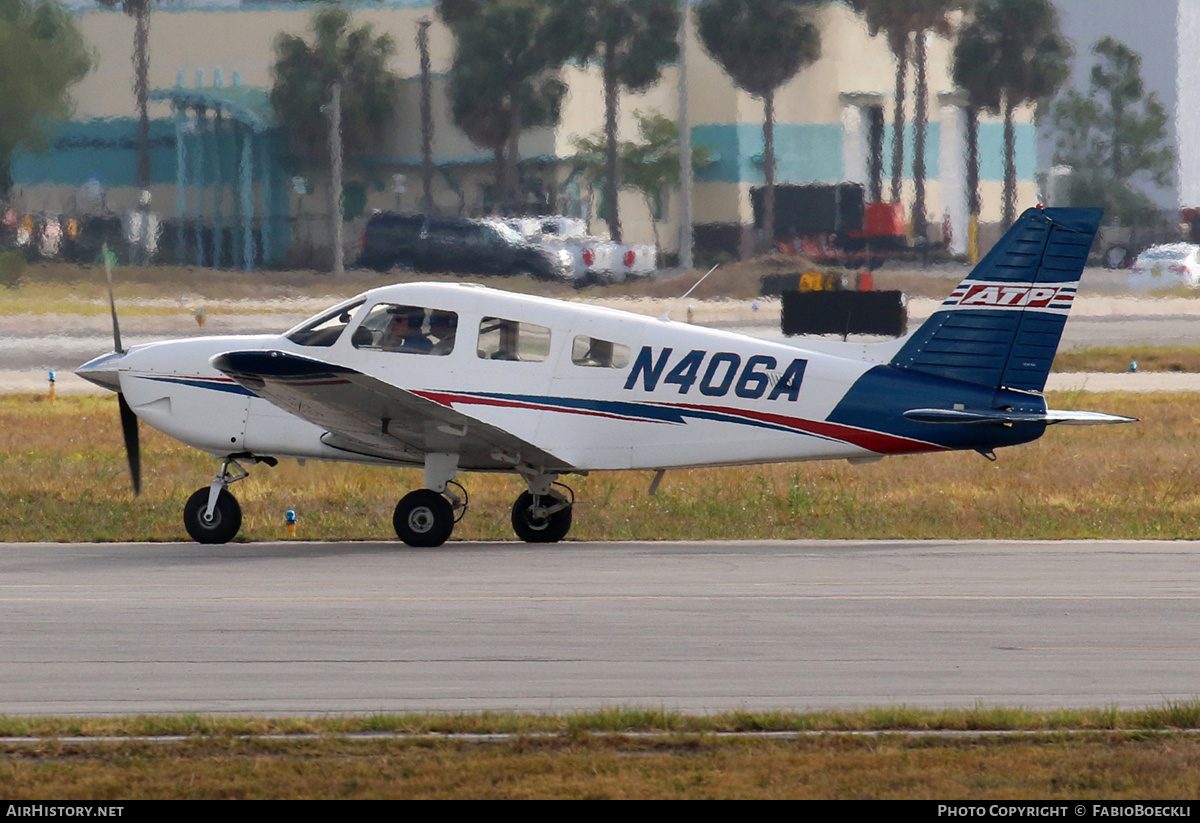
685	146
426	117
335	174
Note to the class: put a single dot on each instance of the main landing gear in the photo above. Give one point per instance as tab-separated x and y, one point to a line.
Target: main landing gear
543	514
425	518
212	514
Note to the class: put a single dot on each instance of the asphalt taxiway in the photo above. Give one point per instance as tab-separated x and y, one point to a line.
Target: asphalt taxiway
316	628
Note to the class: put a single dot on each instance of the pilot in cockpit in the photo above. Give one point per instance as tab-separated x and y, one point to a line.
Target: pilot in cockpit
403	332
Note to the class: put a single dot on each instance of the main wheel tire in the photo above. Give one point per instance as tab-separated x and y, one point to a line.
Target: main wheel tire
545	530
424	519
226	517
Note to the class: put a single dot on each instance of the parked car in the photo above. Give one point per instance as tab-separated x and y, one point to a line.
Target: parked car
1160	267
455	244
595	260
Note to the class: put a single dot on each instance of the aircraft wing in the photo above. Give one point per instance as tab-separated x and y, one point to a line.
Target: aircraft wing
368	416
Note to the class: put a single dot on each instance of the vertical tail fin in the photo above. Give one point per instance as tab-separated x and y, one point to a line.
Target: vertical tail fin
1002	325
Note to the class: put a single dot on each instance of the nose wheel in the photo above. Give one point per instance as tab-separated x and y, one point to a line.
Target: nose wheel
220	526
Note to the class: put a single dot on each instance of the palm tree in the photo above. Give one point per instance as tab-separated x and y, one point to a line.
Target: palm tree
504	76
891	18
357	59
139	10
633	39
901	21
1010	53
761	44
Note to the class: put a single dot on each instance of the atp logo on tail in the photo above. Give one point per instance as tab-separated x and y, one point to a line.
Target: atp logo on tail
1055	298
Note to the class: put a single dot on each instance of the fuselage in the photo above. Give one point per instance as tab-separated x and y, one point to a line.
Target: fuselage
598	388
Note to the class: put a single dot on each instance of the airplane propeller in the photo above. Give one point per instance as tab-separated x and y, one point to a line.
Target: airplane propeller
129	420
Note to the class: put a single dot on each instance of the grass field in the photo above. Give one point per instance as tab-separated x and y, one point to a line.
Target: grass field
626	754
1058	767
63	477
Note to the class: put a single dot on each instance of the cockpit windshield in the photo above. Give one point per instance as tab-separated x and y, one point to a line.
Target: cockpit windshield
324	329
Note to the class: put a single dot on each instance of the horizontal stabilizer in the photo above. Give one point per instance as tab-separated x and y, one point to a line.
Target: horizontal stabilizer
1048	417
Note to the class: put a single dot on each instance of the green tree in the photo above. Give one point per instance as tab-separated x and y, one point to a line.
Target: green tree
761	44
1115	132
42	54
632	39
649	166
1010	53
139	10
304	73
504	78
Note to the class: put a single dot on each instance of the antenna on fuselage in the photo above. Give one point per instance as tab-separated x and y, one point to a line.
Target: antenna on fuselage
667	314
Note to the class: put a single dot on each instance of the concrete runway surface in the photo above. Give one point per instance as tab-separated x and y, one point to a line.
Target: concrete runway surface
315	628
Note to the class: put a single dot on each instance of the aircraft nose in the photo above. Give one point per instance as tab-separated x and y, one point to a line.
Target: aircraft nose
103	371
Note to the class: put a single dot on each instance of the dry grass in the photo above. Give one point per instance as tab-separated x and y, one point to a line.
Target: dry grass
1116	766
63	478
1118	358
616	753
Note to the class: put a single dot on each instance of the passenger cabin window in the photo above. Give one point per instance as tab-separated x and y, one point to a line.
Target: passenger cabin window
512	340
407	329
597	353
326	329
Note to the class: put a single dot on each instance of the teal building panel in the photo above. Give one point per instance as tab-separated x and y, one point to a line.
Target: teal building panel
812	153
991	151
804	152
101	149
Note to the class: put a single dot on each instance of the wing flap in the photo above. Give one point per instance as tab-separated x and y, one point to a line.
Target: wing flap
366	415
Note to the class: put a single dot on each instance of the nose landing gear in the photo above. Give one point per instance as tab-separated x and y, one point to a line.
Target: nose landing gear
212	514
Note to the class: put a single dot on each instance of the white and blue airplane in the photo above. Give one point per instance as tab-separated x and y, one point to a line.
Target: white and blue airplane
457	378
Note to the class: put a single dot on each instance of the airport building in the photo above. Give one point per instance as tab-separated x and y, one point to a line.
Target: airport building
229	194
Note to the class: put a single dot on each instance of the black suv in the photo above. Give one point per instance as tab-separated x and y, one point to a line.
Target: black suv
455	244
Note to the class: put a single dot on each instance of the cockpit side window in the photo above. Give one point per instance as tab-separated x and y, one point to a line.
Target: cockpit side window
407	329
501	339
597	353
325	329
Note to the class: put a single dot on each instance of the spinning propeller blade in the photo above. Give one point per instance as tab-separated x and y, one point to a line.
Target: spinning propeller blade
129	428
129	420
112	304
